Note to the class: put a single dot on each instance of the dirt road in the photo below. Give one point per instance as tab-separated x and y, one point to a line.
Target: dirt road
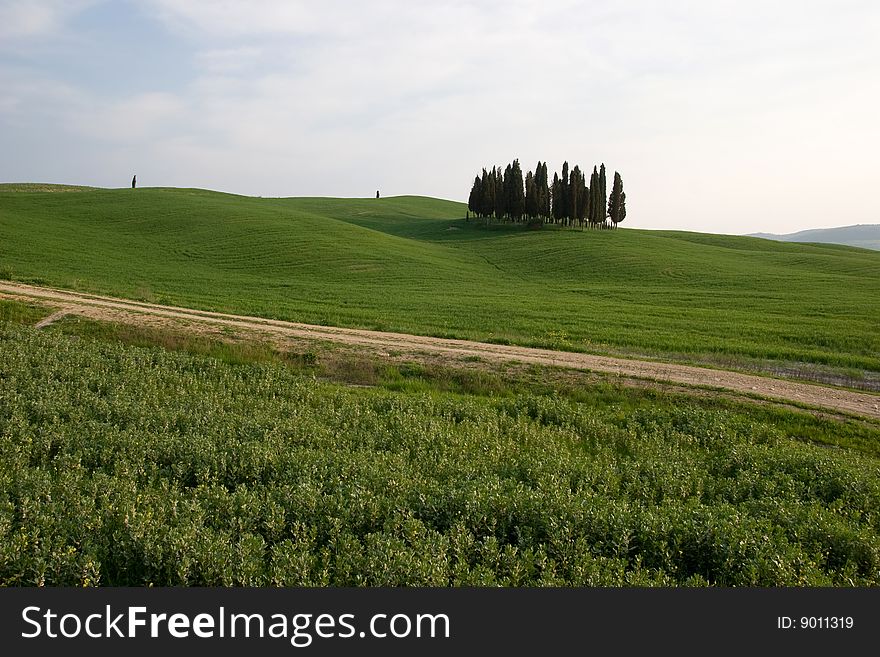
134	312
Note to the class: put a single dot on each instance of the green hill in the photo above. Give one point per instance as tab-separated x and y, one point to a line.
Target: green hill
416	265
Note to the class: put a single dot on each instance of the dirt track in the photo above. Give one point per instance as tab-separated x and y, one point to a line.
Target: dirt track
120	310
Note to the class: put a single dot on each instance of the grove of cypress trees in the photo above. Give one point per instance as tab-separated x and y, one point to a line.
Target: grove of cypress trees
502	194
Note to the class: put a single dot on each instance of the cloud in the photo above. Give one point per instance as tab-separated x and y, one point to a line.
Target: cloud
134	119
21	20
330	18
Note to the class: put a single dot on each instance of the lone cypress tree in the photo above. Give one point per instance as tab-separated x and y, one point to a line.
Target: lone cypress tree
617	202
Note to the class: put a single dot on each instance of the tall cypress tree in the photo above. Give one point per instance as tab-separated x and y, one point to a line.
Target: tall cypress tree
585	194
592	203
475	199
500	196
531	199
487	185
581	193
516	197
508	190
603	197
574	194
544	192
556	193
565	205
539	189
617	201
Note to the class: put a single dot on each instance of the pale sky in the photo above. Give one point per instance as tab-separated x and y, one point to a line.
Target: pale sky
725	116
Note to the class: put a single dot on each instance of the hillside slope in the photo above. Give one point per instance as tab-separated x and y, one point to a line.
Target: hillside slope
415	265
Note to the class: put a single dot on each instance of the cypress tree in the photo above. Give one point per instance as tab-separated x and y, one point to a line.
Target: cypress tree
516	197
531	200
539	189
508	190
487	185
574	191
565	200
500	198
617	201
585	195
475	198
556	193
592	210
580	192
603	197
544	192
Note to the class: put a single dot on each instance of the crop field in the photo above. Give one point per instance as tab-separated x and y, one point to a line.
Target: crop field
415	265
126	465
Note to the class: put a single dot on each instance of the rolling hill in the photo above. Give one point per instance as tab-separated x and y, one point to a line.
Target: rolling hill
864	236
414	264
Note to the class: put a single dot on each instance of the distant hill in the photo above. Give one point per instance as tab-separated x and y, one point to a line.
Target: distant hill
866	236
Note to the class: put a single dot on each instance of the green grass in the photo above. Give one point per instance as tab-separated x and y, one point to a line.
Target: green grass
415	265
18	312
127	465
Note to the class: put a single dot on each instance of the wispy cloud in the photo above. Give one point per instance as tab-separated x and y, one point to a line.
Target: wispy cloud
26	19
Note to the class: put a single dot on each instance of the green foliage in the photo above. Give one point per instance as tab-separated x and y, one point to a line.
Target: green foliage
414	265
129	466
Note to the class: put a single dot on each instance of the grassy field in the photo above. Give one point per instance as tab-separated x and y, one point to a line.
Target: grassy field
415	265
126	465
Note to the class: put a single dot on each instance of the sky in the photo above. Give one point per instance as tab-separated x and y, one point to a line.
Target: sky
723	116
